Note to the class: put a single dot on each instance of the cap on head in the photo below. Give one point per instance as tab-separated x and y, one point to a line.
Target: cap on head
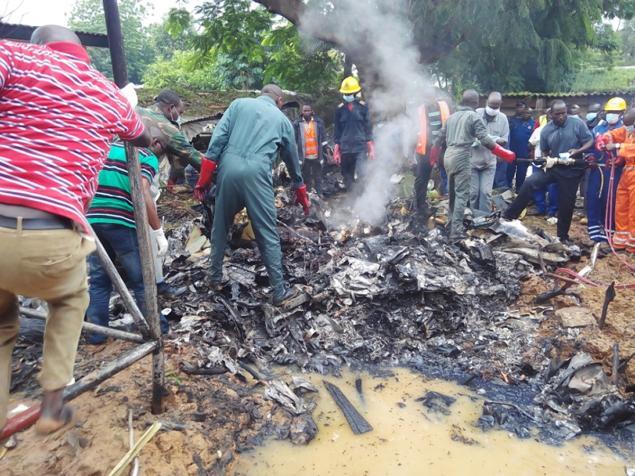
615	104
46	34
350	85
167	96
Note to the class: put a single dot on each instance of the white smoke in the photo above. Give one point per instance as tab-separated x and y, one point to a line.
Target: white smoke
400	85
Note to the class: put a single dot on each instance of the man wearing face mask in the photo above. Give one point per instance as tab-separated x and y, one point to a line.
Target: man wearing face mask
457	138
353	133
492	113
598	179
593	115
484	162
520	129
622	141
309	136
244	147
166	112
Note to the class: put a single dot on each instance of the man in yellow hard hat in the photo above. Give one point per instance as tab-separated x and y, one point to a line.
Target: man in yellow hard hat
597	189
353	133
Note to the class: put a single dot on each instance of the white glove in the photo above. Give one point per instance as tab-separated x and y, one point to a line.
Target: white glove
550	162
161	241
129	92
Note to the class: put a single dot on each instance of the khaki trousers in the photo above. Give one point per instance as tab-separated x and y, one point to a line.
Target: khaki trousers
50	265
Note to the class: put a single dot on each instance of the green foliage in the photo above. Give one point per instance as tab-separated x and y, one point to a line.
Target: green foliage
616	79
626	38
250	47
531	45
183	70
88	15
290	66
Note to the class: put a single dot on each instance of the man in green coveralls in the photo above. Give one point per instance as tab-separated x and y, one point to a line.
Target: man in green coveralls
244	148
166	112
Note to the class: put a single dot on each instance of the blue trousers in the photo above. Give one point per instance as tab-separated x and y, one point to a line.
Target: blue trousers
597	192
546	200
121	244
520	171
500	178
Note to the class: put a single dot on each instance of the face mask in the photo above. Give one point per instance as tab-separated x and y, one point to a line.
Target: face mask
491	112
612	118
349	97
630	129
176	119
590	116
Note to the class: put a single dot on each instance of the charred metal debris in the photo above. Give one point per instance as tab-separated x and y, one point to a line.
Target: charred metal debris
391	295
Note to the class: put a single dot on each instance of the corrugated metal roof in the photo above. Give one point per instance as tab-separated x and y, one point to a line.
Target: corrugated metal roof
569	94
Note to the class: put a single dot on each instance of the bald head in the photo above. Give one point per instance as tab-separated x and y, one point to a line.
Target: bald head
46	34
629	117
275	93
470	98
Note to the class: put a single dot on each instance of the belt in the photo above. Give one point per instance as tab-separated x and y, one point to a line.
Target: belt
53	223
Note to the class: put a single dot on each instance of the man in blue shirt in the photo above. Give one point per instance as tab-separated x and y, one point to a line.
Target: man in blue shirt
597	188
520	128
563	135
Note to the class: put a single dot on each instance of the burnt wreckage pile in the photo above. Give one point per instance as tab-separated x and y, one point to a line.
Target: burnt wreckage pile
390	295
370	296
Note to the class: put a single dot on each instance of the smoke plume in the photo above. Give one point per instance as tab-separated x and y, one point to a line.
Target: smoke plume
397	87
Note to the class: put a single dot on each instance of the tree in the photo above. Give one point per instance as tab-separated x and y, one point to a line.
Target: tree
88	16
507	44
250	47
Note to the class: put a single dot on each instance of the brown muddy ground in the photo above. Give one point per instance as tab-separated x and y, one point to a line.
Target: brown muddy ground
219	415
222	415
620	321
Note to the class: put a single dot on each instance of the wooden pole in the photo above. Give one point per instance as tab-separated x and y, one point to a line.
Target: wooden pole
28	417
120	286
120	74
90	327
149	278
93	379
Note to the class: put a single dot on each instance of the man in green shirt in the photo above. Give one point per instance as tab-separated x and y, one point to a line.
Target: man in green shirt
244	146
166	112
111	215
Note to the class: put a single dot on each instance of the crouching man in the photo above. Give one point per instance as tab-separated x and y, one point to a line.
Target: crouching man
112	217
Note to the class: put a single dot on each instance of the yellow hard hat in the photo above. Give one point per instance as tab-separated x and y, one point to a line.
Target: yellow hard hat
350	85
615	104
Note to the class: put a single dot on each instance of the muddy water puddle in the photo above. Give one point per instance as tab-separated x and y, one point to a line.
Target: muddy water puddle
410	439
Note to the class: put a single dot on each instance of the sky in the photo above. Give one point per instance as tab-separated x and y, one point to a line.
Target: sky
41	12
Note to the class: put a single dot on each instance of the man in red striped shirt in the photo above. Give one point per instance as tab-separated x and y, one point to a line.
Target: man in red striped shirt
58	116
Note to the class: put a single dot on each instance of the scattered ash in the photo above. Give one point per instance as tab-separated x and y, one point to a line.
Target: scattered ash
391	295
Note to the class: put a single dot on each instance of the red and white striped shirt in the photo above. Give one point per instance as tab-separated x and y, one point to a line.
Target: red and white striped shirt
58	116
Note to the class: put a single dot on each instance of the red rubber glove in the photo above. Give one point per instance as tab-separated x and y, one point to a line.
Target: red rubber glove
435	153
302	197
505	154
208	167
370	146
170	185
591	161
337	155
601	141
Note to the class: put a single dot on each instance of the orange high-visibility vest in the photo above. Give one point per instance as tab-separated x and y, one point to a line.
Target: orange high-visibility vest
422	139
310	139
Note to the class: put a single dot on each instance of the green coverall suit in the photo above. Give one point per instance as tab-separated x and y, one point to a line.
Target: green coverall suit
245	145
